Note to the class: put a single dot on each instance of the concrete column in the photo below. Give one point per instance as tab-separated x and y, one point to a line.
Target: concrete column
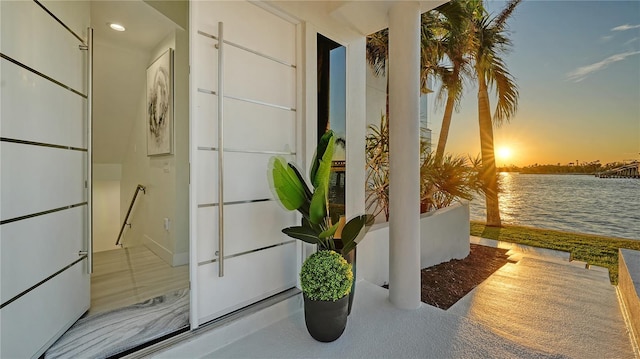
404	157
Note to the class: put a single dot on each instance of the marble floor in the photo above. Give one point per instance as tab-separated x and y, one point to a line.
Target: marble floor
136	297
110	333
126	276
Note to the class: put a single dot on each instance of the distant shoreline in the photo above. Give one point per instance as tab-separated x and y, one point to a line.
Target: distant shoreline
550	173
555	231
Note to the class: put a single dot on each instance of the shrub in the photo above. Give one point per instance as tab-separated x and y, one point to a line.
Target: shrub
326	275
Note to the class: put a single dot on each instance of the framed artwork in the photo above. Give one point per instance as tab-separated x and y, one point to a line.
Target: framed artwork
159	116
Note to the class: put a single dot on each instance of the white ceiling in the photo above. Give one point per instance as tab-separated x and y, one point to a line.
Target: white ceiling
145	25
120	62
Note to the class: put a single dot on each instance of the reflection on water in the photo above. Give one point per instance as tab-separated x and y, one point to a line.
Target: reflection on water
337	184
575	203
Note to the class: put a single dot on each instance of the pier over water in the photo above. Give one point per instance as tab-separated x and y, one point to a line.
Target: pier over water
631	170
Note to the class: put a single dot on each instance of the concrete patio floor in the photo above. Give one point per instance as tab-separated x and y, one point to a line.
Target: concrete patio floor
541	307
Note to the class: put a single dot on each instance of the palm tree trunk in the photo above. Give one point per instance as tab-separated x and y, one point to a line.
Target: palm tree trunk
444	131
489	172
386	130
386	108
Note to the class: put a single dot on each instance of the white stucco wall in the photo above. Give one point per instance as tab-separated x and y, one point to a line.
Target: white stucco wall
444	236
373	255
629	287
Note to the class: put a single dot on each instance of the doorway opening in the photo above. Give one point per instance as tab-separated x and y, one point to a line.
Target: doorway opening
140	247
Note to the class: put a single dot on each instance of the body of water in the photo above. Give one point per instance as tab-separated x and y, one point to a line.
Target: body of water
573	203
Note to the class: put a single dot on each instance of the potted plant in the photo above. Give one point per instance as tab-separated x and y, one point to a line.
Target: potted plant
326	280
318	225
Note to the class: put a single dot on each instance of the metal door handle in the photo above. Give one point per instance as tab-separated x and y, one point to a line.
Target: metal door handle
220	252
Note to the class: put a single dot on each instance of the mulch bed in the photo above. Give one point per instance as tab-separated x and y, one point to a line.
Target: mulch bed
446	283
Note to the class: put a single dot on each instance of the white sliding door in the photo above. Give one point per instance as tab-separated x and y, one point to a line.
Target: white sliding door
44	154
256	82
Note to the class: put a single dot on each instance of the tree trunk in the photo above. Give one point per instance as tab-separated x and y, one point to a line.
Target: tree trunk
489	172
386	109
444	131
386	130
446	118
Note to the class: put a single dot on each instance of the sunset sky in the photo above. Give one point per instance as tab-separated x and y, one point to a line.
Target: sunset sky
577	65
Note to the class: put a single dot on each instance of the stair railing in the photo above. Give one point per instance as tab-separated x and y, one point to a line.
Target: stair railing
126	218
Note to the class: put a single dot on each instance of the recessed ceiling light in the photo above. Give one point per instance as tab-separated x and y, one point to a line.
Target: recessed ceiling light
116	27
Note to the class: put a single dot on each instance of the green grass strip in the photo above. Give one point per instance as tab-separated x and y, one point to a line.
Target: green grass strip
595	250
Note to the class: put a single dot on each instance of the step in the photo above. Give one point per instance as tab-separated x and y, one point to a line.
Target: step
577	268
229	329
518	251
524	250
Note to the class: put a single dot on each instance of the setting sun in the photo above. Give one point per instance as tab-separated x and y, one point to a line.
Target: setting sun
503	153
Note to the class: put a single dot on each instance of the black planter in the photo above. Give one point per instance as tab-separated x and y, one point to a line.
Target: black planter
351	259
326	320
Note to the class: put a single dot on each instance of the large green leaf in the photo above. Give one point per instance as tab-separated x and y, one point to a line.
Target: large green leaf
329	232
319	200
305	234
318	206
323	151
307	191
315	227
285	183
352	229
324	170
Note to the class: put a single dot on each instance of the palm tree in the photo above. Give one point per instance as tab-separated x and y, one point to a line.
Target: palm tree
490	41
378	140
377	151
377	55
456	45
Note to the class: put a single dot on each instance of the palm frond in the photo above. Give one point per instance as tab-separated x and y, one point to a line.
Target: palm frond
501	20
378	51
507	92
491	43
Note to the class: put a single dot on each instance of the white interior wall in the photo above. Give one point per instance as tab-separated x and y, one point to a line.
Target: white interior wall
165	177
155	173
106	206
119	80
106	220
119	76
